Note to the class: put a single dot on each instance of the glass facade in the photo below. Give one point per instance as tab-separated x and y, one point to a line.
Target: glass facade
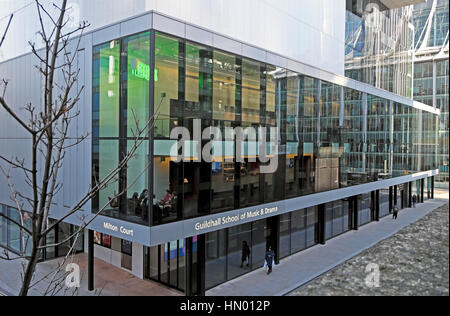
237	250
121	76
166	263
379	46
431	82
328	136
431	22
437	23
16	239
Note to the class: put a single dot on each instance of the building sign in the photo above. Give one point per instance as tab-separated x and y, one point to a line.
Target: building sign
140	69
121	229
243	217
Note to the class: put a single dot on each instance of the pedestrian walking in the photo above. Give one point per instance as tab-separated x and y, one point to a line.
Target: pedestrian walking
270	258
395	212
414	200
245	254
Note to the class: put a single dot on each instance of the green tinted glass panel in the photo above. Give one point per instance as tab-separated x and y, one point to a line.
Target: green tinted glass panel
166	64
109	159
109	90
138	81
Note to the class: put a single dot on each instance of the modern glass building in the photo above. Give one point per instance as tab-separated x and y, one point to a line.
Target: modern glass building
276	151
431	70
379	43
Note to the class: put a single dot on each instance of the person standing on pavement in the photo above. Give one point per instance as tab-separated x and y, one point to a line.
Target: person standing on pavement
245	254
270	257
395	212
414	200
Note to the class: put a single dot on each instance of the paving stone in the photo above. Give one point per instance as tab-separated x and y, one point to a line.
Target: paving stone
413	262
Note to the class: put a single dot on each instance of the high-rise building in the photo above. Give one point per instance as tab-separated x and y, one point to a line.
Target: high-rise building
431	81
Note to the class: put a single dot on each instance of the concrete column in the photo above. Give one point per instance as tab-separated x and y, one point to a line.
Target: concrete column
409	194
422	184
432	187
321	225
395	195
201	258
188	267
355	210
90	260
377	205
137	266
391	199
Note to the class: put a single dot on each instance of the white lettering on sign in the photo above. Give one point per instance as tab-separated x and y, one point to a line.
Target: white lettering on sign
110	226
125	231
122	230
220	221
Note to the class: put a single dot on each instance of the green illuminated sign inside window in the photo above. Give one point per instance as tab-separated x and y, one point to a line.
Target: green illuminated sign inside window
142	70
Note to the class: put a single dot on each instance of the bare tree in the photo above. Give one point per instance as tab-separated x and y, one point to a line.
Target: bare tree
48	128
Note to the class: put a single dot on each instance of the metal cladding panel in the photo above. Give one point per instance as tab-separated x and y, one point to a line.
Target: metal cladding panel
197	34
106	34
167	25
137	25
312	32
227	44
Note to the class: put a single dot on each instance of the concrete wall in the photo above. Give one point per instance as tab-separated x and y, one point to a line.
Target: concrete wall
25	85
113	256
312	32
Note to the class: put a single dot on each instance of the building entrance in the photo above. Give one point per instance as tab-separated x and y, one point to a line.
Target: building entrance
166	264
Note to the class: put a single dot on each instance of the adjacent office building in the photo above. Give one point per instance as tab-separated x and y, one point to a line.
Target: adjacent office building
431	81
346	152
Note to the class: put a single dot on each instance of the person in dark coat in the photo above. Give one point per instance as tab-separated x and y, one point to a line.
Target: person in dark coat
245	254
414	200
395	212
270	256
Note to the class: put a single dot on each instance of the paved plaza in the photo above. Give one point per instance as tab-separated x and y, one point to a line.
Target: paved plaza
109	280
413	262
300	269
412	254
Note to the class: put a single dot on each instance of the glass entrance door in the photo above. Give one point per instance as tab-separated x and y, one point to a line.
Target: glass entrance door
166	264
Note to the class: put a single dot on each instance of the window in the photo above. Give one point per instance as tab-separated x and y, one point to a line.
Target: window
3	227
127	247
14	231
120	107
102	239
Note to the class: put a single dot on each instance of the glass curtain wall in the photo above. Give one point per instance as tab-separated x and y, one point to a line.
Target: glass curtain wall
166	263
353	157
235	251
384	202
13	238
121	76
328	136
379	138
336	218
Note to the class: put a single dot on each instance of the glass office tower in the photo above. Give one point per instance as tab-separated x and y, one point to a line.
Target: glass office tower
431	72
379	45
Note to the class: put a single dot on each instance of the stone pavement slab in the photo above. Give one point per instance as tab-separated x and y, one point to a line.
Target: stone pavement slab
413	262
301	268
109	280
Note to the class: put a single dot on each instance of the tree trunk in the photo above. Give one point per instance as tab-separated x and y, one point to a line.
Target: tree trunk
29	272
